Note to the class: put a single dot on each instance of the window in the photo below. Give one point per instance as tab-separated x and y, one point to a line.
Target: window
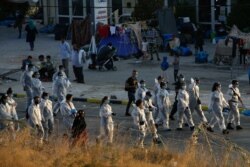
77	7
129	5
63	7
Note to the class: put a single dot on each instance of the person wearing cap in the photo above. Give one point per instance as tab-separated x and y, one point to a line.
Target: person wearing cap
140	92
140	122
106	121
216	105
37	87
235	98
131	86
163	102
12	104
194	99
68	112
183	108
149	108
26	80
60	88
47	115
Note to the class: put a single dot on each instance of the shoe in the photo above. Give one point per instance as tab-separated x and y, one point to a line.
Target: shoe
127	115
172	118
159	59
238	127
210	129
229	126
192	128
185	125
225	131
179	129
168	129
151	59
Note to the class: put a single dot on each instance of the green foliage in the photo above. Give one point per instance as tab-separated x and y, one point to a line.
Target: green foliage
184	9
240	14
145	9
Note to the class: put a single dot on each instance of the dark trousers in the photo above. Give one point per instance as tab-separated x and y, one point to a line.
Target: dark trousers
19	31
175	75
78	74
131	99
32	45
65	63
174	109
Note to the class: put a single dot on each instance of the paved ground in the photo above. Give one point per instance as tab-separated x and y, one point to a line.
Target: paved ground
98	84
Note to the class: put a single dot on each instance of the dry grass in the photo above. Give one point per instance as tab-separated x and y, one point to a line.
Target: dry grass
25	151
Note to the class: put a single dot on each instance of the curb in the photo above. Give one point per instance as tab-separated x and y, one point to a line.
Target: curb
98	101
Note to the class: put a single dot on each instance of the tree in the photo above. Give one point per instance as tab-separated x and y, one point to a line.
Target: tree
240	14
145	9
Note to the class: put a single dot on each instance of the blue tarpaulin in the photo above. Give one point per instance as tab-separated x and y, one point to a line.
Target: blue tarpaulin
125	48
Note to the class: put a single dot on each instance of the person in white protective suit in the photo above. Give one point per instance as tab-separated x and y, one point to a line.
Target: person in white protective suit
149	109
235	98
47	115
37	87
60	69
163	103
5	115
106	121
140	122
140	92
183	108
26	80
157	87
60	88
12	103
68	112
217	102
194	99
35	117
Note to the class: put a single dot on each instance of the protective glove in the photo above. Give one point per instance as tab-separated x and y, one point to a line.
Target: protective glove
54	114
114	114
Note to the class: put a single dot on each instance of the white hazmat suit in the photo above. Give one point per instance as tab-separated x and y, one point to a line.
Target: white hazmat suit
106	122
68	112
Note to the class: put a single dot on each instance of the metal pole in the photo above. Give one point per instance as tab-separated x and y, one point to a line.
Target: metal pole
197	11
212	15
165	3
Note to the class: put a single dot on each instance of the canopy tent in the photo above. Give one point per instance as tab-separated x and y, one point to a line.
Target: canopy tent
126	43
235	32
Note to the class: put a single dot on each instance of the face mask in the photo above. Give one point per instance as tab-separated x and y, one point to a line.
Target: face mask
184	87
107	102
46	97
143	85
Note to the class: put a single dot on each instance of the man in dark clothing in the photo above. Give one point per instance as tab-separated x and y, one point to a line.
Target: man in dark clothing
19	24
31	33
130	87
26	62
79	133
178	84
199	41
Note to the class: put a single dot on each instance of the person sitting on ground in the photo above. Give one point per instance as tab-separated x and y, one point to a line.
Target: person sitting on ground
26	62
50	67
79	132
42	67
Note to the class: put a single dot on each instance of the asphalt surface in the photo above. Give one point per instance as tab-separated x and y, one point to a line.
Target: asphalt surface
175	140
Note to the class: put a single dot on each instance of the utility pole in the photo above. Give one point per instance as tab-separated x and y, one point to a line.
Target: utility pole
165	3
212	15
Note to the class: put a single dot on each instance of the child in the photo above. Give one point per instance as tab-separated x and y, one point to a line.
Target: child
144	48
